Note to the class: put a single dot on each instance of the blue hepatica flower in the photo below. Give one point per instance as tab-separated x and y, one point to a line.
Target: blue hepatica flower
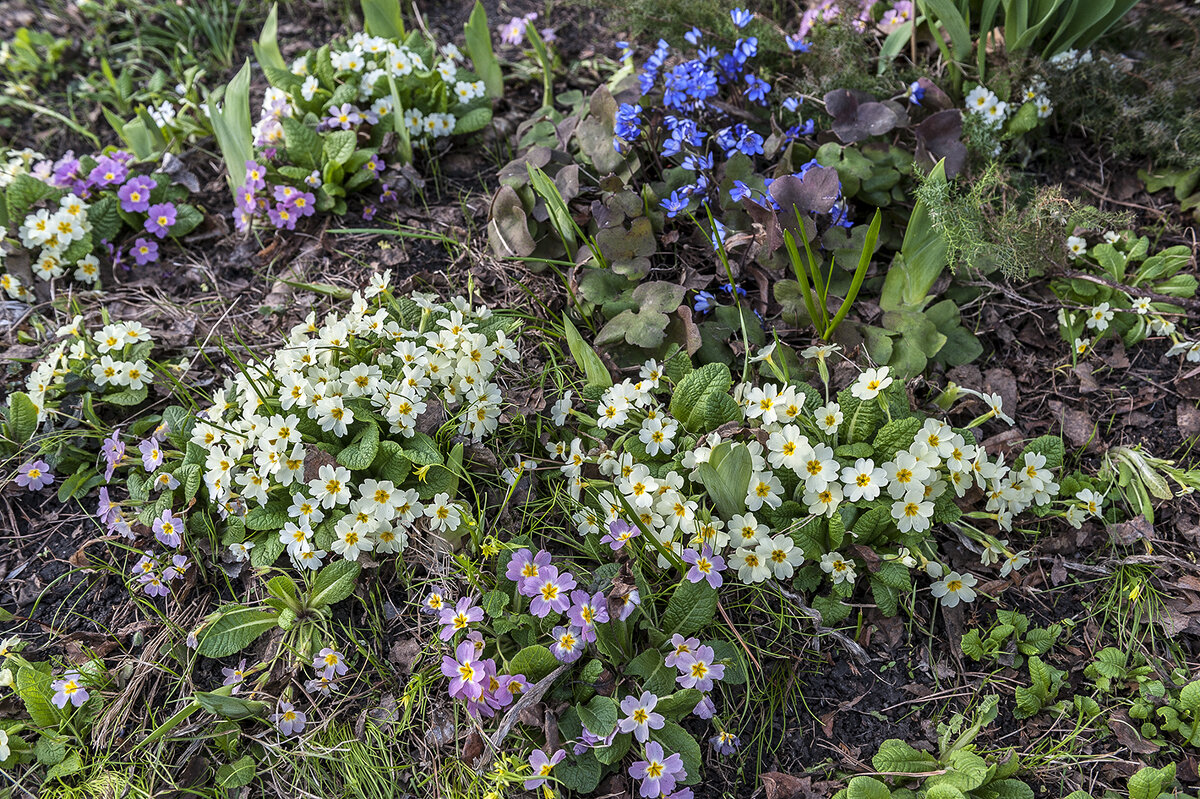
626	49
792	104
916	92
628	124
739	191
757	91
708	53
694	163
674	204
796	43
704	301
729	288
693	36
745	49
718	235
741	17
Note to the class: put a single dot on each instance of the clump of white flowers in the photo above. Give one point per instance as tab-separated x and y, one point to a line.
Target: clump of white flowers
643	475
392	369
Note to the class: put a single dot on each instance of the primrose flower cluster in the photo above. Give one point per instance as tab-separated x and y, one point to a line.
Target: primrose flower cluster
320	447
111	363
642	476
70	211
321	131
1093	311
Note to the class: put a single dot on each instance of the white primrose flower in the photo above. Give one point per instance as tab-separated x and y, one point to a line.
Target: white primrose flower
828	418
955	588
1099	317
839	569
1076	246
870	383
863	480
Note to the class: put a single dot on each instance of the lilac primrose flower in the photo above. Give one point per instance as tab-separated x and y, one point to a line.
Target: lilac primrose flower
282	217
145	251
466	673
69	689
345	117
705	566
630	604
589	740
152	456
619	531
682	646
657	772
160	219
725	743
697	669
289	720
588	611
34	475
368	212
640	717
168	529
460	617
256	177
568	644
153	585
235	676
330	663
550	591
541	767
741	17
113	450
135	195
524	565
108	172
705	708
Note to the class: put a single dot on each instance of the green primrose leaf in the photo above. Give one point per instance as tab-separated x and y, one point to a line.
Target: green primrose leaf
22	417
535	662
691	608
238	774
599	715
234	628
334	583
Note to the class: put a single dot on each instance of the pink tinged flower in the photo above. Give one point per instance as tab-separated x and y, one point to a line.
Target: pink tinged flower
330	663
289	720
541	766
145	251
465	672
705	566
550	591
69	689
680	647
235	676
697	670
168	529
524	565
34	475
152	456
460	617
657	772
160	218
640	717
568	644
105	506
705	708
